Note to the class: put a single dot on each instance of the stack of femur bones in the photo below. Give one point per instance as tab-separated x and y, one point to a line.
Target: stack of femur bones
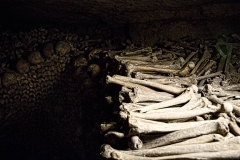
173	105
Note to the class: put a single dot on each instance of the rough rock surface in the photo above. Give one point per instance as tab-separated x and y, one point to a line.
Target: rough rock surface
120	11
152	19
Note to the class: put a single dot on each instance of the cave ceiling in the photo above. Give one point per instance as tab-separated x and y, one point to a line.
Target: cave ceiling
113	12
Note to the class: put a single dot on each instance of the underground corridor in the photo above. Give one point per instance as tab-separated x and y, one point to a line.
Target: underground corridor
97	79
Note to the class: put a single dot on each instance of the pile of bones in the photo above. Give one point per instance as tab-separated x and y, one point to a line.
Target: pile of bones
177	101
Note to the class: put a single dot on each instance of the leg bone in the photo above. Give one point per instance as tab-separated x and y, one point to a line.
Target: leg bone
169	89
220	127
142	126
183	98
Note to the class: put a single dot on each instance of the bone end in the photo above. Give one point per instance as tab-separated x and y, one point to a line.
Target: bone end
106	151
129	68
123	115
135	143
227	107
194	88
138	75
108	79
223	128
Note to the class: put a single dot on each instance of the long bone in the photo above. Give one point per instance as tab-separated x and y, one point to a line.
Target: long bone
139	52
207	67
201	83
136	106
173	66
195	140
233	87
146	50
139	95
194	102
233	126
206	55
236	110
150	103
138	62
187	81
149	137
218	91
183	98
125	92
142	76
227	113
209	76
130	68
163	62
229	144
215	99
137	58
229	154
234	101
129	107
169	82
143	126
108	152
169	89
204	63
165	110
220	126
201	139
175	114
186	70
110	79
189	57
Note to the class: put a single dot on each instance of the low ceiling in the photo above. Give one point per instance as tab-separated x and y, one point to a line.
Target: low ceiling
144	22
113	12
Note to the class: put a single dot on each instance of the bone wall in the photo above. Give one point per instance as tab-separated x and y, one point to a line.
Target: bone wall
52	103
49	86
